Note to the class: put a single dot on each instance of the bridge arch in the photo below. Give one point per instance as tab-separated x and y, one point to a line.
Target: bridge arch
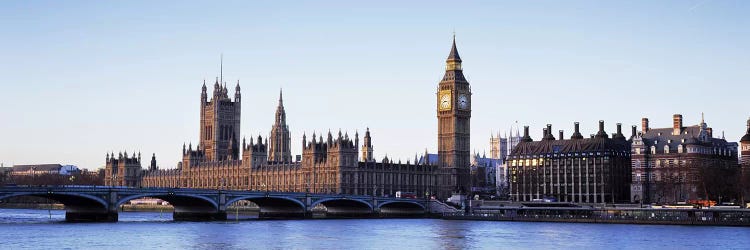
347	207
61	197
175	200
273	206
187	207
78	206
401	208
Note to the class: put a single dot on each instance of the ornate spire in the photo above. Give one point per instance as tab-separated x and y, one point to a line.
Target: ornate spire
453	56
453	63
237	94
280	112
280	139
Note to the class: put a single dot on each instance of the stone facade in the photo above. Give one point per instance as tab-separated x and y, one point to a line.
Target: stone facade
680	163
483	174
330	165
220	123
123	170
591	170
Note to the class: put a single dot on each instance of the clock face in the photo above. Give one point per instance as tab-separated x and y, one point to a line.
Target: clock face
463	102
445	100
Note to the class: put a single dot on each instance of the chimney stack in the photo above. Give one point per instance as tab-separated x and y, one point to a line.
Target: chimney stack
632	131
548	133
644	124
576	132
561	135
526	136
619	134
601	133
676	124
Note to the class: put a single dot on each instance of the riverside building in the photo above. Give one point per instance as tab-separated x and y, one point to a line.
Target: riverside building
680	163
578	169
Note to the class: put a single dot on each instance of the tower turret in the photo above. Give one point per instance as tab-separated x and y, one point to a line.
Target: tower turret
204	95
219	123
280	145
153	166
367	150
237	94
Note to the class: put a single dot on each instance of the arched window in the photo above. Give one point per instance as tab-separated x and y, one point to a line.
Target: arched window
666	149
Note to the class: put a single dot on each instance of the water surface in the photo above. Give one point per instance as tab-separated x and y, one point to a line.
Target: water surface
43	229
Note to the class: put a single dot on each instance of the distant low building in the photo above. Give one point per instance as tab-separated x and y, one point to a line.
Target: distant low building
5	174
39	169
500	148
483	174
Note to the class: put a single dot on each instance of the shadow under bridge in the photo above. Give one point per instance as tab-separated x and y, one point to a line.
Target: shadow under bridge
342	207
78	206
187	207
269	206
402	208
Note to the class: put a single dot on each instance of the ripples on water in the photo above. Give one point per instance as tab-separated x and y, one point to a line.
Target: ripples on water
43	229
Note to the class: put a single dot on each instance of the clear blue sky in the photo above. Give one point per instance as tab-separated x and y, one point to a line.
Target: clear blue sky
81	79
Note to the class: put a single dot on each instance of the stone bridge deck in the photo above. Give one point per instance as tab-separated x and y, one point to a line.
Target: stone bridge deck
98	203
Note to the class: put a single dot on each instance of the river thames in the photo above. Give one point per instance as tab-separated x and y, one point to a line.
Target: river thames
45	229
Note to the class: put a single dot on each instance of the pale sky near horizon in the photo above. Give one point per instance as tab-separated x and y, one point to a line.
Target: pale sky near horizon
83	78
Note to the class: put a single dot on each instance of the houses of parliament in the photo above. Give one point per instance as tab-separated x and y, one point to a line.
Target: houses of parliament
330	163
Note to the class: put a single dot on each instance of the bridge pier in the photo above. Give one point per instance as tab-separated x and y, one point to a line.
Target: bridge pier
199	216
91	216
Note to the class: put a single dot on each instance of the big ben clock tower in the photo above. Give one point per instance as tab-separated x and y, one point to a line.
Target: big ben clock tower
453	113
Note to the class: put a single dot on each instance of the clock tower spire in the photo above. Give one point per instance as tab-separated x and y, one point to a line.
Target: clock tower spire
454	114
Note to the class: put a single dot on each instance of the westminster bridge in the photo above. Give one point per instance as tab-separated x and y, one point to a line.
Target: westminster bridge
96	203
